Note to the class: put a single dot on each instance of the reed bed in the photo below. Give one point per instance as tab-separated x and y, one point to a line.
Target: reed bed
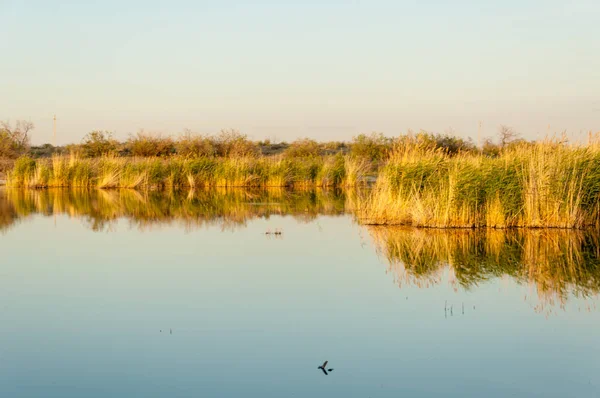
555	263
543	184
179	172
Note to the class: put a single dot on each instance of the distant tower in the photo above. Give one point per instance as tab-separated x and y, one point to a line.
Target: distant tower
54	132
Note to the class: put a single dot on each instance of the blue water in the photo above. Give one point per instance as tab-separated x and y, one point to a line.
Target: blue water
178	311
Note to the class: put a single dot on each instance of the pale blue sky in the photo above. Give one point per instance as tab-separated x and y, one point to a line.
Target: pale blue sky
283	69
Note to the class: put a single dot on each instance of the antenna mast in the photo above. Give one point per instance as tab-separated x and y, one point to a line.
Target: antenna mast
54	132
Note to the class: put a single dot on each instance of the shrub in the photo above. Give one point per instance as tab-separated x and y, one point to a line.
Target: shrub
375	147
302	148
490	149
333	147
453	145
45	151
190	145
147	145
98	143
14	141
5	165
445	143
231	143
74	150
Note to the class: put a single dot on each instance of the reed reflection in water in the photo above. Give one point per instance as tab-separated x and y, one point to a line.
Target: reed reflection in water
227	207
557	264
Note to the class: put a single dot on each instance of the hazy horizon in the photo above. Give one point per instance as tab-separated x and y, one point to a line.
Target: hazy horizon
327	70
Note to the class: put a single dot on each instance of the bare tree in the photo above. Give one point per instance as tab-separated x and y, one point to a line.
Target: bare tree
507	135
14	141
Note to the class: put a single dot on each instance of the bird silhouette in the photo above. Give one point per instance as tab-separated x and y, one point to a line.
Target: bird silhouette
324	369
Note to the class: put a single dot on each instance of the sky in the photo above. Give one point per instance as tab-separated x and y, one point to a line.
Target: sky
282	70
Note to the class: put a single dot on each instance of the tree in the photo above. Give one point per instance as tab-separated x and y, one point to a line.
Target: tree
14	141
507	135
98	143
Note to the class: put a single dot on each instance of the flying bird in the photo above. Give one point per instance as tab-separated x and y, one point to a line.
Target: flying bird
324	369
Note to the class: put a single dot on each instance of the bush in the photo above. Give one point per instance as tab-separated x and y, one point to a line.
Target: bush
147	145
453	145
45	151
98	143
190	145
74	149
375	147
14	141
303	148
269	149
448	144
231	143
490	149
6	165
333	147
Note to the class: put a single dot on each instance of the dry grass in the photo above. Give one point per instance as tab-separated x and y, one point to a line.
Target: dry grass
5	166
179	172
546	184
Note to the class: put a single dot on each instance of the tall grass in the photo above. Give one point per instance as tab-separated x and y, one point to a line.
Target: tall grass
544	184
180	172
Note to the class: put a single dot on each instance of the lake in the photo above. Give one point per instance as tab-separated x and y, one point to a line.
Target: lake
191	294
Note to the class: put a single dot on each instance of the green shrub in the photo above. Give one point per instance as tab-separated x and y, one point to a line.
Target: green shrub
98	143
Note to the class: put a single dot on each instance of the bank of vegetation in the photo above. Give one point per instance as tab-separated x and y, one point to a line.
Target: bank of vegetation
422	180
539	184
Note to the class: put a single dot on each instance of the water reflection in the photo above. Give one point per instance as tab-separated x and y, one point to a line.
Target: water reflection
226	207
556	263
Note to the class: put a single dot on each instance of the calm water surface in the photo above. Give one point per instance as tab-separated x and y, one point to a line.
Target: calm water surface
124	294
